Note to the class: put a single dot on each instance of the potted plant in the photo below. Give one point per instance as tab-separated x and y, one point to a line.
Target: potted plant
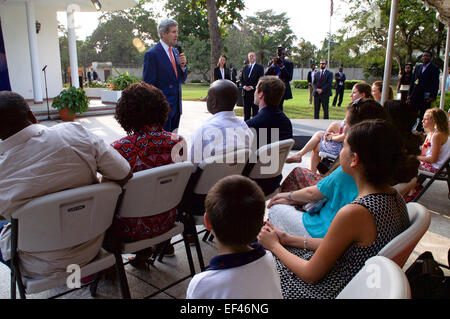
69	102
119	83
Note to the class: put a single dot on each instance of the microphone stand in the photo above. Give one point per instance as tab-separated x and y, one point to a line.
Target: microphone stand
46	92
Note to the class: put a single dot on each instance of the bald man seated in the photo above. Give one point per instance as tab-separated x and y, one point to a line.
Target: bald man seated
36	160
223	132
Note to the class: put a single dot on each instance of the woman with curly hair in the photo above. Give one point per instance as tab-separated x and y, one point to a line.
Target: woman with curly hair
142	111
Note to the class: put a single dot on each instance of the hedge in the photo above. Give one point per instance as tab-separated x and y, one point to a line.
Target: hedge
446	101
303	84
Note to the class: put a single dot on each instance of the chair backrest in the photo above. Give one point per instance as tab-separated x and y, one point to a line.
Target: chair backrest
399	248
217	167
270	159
380	278
156	190
66	219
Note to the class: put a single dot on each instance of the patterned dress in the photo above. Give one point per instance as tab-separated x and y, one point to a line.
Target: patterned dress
149	148
391	218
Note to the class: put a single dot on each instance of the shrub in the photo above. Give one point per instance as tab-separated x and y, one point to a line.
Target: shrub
300	84
446	102
73	99
122	81
96	84
303	84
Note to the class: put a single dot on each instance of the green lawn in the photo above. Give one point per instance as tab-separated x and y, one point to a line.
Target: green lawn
297	108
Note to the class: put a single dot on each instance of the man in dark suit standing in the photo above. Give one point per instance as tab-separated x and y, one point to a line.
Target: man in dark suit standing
233	73
310	79
249	78
269	92
165	68
92	75
339	78
424	86
322	90
284	69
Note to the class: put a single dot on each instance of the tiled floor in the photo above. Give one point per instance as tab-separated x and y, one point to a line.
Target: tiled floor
144	282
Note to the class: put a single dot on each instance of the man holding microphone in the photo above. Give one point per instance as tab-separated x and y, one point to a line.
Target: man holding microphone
165	68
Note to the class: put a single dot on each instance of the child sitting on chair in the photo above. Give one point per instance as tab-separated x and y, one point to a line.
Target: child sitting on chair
235	209
435	149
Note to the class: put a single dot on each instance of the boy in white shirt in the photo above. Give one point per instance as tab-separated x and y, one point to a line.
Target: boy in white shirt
242	270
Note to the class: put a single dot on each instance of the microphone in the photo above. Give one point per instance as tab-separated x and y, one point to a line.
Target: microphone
44	68
179	47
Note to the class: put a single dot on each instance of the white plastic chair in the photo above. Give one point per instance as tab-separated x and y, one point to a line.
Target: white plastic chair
151	192
380	278
399	248
263	169
58	221
210	171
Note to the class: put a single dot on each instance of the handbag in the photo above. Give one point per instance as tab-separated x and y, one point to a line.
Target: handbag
426	278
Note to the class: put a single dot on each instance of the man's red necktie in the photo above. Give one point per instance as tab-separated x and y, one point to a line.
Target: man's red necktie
173	61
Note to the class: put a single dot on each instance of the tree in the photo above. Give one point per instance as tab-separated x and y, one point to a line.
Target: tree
205	20
214	34
113	40
269	30
367	31
304	53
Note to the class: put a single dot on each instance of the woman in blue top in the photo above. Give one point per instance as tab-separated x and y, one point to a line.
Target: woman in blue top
333	191
321	268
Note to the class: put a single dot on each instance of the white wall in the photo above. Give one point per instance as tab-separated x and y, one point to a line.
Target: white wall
15	35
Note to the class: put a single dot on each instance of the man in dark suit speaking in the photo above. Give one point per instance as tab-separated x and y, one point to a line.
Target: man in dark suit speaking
165	68
322	89
424	86
249	79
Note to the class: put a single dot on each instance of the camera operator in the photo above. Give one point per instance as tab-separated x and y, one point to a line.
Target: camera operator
284	69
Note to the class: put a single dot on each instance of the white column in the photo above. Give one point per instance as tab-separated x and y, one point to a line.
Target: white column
445	71
389	49
34	52
71	9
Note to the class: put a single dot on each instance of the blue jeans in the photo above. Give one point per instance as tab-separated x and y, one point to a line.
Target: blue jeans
3	223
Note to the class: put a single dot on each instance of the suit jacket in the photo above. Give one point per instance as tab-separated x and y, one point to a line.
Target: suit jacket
339	78
158	71
233	72
270	117
257	72
426	82
94	75
326	83
309	78
218	75
285	75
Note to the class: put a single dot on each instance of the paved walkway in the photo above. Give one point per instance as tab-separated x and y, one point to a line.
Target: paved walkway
145	282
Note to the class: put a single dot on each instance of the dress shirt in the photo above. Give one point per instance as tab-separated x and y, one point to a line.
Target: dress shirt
212	139
37	161
166	48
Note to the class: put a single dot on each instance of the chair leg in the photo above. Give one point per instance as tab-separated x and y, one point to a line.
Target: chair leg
211	237
163	249
123	282
206	235
94	285
189	254
13	285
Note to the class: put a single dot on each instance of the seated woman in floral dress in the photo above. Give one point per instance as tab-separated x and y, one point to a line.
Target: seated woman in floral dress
142	111
321	268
